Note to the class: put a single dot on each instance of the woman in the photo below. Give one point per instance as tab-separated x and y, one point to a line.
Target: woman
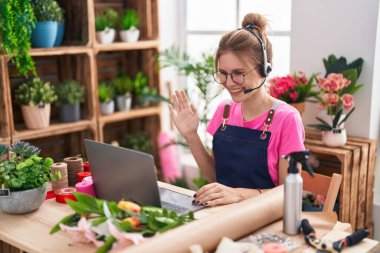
251	133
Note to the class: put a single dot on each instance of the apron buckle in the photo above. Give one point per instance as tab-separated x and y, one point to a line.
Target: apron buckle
224	124
263	135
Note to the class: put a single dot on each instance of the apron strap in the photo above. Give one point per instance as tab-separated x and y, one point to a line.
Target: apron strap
269	119
267	123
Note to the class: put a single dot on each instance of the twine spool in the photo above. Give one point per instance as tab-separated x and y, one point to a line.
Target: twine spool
63	182
74	166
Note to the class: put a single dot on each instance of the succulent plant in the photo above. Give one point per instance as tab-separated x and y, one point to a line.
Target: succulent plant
3	150
107	19
70	92
105	92
129	20
47	10
24	149
35	92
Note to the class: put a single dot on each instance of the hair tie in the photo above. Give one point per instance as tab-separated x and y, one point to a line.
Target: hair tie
252	26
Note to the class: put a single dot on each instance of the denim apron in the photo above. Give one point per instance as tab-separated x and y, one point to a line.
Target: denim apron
241	154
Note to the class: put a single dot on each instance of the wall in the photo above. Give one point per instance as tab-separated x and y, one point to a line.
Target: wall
348	28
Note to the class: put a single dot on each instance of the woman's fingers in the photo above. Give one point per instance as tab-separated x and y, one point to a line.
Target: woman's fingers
207	190
210	197
176	103
184	99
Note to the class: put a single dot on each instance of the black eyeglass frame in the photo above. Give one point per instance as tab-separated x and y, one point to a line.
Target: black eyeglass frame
232	76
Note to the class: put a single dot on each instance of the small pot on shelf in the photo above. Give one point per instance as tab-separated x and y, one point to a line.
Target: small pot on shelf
107	36
334	138
107	108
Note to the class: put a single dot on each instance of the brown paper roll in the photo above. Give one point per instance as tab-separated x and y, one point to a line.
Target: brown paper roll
63	182
235	221
74	165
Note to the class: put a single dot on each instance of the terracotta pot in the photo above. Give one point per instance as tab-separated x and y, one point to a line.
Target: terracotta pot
36	117
299	106
334	138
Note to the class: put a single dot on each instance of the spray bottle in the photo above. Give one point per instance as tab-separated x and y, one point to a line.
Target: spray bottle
293	191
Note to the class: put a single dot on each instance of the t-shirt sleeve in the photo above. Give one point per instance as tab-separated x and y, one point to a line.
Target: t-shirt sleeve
216	119
292	135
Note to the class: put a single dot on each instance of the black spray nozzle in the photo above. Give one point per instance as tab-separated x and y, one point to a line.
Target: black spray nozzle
299	157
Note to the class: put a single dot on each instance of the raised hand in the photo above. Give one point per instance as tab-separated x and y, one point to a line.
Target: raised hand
184	115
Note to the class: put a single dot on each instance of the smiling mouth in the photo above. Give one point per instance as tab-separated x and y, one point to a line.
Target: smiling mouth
236	90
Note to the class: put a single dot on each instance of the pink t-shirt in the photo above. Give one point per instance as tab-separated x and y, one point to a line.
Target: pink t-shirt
287	131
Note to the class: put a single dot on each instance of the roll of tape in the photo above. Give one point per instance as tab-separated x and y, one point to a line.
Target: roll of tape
86	187
81	175
87	179
65	193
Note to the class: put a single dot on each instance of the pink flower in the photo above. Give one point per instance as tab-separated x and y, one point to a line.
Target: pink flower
82	233
334	82
333	99
348	101
293	95
124	239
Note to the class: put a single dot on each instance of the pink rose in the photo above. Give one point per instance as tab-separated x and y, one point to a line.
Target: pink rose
333	99
348	101
293	96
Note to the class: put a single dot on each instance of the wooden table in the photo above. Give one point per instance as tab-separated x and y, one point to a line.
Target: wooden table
30	232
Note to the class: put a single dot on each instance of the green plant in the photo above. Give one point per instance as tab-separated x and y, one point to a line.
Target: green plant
107	19
47	10
17	21
58	13
107	222
106	92
138	141
70	92
123	85
129	20
35	92
23	169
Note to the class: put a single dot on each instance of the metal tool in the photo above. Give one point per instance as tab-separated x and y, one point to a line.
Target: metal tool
328	247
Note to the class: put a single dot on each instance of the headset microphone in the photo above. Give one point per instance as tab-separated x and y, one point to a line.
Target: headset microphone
246	91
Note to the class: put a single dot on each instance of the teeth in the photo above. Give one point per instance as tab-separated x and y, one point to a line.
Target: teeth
236	90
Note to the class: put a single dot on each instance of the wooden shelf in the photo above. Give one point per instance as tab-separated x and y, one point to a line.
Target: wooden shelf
133	114
53	129
60	50
119	46
4	140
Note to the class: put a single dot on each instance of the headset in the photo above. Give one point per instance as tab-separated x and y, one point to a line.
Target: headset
264	68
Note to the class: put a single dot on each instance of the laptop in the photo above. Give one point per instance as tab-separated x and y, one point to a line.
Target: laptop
120	173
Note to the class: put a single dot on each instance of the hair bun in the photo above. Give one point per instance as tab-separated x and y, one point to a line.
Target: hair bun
255	20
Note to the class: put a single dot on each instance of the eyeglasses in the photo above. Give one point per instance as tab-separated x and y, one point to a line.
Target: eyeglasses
220	76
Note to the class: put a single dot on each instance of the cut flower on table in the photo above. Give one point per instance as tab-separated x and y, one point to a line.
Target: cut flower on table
110	225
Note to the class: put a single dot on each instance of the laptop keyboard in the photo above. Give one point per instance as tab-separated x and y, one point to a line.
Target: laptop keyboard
173	207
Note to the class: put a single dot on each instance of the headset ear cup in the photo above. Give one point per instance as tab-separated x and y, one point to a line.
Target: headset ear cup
269	69
262	70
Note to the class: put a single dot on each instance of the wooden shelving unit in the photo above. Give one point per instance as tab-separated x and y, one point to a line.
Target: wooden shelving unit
356	162
83	59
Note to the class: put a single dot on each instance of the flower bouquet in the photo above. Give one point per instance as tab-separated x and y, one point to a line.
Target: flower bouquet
293	88
111	225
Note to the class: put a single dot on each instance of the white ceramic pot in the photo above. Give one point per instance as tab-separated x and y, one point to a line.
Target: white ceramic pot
124	102
36	117
107	36
107	107
334	138
131	35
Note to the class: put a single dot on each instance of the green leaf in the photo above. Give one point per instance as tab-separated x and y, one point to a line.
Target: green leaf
99	221
336	118
346	117
89	202
64	221
323	122
79	208
107	244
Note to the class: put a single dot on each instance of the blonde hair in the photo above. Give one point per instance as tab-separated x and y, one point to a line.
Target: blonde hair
245	44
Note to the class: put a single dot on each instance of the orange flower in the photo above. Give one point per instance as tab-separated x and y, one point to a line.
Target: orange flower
129	206
134	221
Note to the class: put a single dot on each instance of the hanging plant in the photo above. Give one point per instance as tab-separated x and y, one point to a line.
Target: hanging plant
17	21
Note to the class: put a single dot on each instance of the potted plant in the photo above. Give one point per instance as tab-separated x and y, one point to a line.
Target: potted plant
139	141
106	94
335	101
129	26
293	89
45	32
70	94
24	176
141	89
105	24
59	14
35	97
13	43
124	87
